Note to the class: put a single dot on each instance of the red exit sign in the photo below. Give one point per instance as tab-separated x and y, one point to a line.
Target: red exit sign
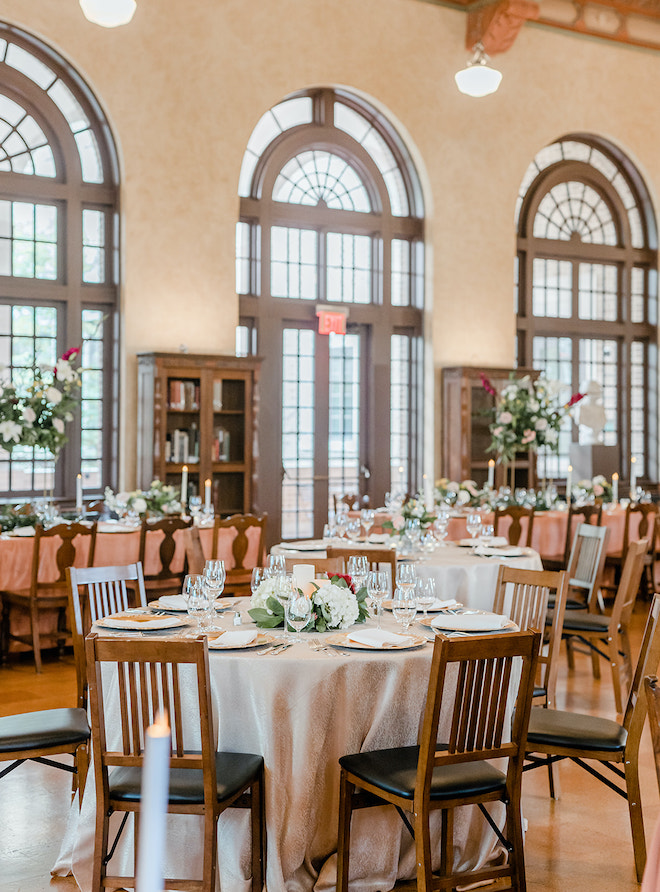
331	321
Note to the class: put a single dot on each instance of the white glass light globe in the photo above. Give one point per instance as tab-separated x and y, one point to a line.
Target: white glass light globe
108	13
478	80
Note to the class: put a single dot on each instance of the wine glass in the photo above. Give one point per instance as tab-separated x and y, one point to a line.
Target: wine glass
358	569
406	577
195	507
473	524
378	586
353	529
425	594
300	611
285	593
195	596
259	575
276	565
440	525
367	517
404	607
487	532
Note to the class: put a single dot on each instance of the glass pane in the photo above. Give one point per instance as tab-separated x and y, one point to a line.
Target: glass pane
317	175
400	388
293	264
90	159
33	68
344	415
349	268
298	434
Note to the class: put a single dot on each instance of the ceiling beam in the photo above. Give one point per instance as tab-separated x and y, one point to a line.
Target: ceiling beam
496	26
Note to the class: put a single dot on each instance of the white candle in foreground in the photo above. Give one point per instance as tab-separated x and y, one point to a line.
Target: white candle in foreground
79	494
491	473
153	806
428	492
633	476
207	494
615	487
569	484
184	486
302	574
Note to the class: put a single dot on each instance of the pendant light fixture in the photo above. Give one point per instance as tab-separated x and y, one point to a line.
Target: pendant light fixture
477	78
108	13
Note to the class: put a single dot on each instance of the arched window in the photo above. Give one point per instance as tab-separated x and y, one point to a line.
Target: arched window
58	255
331	220
587	292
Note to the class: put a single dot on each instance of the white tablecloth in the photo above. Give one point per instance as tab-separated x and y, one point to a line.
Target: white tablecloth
302	710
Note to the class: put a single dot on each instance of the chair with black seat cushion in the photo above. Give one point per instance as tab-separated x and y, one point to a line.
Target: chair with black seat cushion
607	636
558	734
241	527
51	595
585	567
202	782
591	514
524	595
520	517
471	682
647	516
166	578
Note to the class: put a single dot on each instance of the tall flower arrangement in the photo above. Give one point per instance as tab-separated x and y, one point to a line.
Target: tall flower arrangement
528	416
38	416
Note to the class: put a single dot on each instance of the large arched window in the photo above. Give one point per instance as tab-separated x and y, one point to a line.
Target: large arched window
58	255
331	219
587	291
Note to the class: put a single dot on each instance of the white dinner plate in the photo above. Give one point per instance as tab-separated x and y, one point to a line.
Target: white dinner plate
341	639
304	545
261	639
140	622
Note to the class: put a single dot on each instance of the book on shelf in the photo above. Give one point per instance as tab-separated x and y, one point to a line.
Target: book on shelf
183	395
182	446
221	444
217	396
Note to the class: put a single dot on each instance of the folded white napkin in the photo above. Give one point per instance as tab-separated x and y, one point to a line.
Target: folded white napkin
23	531
379	638
471	622
509	551
444	605
234	639
139	621
172	602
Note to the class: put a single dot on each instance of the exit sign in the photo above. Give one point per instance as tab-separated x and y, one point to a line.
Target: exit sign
331	321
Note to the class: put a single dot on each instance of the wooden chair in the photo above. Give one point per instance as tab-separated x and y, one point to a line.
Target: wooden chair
523	595
648	528
350	502
517	514
607	636
585	567
192	543
238	576
330	565
47	595
430	776
204	783
558	734
591	514
165	579
375	556
95	592
653	705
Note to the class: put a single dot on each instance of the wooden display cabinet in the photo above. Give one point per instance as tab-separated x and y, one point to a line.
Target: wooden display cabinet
200	411
466	416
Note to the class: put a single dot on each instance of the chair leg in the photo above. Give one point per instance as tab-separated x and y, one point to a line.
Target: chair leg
36	639
346	790
4	633
515	836
100	849
82	765
258	823
569	653
616	673
423	849
595	664
636	816
210	849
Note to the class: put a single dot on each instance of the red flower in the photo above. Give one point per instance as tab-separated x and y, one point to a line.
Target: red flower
575	399
70	353
488	387
347	579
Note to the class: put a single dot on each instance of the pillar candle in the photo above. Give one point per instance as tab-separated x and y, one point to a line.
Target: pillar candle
633	476
153	806
615	487
569	484
79	494
491	473
207	495
302	574
184	486
428	492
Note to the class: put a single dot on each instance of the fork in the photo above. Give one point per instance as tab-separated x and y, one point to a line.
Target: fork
317	645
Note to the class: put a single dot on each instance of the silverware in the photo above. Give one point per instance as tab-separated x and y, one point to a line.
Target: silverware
317	645
274	648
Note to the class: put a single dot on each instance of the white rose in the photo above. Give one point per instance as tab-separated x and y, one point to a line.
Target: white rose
58	424
541	424
53	395
29	415
464	497
139	505
9	430
63	371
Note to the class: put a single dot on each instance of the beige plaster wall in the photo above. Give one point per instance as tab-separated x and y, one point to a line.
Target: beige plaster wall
184	84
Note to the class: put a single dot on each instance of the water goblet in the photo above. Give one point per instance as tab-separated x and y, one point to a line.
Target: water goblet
259	575
404	607
406	576
328	532
353	530
473	524
300	612
195	596
195	507
367	518
276	565
358	569
425	594
378	586
341	521
285	593
440	525
487	532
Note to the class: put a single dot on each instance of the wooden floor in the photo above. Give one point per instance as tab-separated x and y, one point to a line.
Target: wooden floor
581	842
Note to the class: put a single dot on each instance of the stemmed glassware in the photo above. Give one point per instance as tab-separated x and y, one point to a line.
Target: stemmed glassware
440	525
473	524
367	518
276	565
196	597
300	612
285	593
406	577
358	570
378	587
213	581
353	529
425	594
404	607
259	575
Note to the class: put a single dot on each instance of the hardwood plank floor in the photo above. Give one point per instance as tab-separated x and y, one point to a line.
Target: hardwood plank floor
580	842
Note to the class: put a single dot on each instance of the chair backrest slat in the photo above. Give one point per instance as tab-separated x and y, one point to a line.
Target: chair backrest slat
517	513
167	527
587	560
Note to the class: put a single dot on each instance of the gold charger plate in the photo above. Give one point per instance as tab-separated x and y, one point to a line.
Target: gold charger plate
341	639
219	604
430	622
388	603
140	622
261	639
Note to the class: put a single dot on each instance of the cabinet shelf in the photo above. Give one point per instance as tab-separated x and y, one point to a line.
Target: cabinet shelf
171	436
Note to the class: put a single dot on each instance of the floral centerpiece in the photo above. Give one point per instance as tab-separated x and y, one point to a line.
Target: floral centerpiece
412	509
335	605
465	493
160	498
598	488
528	415
38	416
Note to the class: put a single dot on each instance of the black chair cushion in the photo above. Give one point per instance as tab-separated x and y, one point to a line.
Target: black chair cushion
395	772
234	772
581	621
44	729
555	727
